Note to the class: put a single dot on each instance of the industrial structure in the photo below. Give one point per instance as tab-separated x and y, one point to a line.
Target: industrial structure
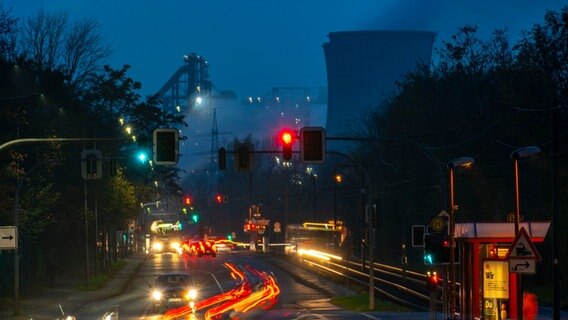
363	67
188	86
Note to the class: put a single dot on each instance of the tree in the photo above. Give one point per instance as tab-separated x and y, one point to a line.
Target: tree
482	99
8	26
51	42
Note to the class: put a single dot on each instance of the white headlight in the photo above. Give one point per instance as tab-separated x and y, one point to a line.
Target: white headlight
192	294
157	246
157	295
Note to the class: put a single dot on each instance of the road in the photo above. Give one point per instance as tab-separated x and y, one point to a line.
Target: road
295	301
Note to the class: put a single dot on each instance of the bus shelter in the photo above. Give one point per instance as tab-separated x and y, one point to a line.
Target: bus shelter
488	287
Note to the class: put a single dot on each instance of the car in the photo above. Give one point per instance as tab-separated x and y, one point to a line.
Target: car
199	247
224	245
172	290
165	245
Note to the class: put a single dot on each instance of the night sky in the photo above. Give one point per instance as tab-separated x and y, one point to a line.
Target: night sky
254	45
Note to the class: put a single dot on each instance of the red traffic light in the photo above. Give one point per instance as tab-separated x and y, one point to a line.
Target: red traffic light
219	198
432	281
187	200
287	137
434	278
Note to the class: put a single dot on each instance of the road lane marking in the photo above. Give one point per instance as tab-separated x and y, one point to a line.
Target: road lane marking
311	316
214	278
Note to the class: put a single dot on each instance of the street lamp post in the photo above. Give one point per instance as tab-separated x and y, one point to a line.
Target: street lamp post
520	153
463	162
337	180
142	220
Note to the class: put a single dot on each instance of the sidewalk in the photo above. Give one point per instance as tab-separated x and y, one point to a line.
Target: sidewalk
45	305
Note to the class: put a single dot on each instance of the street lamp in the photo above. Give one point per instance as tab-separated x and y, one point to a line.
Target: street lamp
463	162
338	179
516	155
142	219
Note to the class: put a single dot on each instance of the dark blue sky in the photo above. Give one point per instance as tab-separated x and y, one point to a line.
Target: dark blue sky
253	45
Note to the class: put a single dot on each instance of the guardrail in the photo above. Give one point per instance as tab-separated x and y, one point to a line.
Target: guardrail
392	283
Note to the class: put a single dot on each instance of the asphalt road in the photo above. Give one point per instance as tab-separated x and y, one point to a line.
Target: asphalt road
295	301
212	278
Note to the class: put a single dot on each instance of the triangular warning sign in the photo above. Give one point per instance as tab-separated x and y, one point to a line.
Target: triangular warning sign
523	247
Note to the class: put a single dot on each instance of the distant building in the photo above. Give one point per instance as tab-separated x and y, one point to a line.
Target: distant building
362	67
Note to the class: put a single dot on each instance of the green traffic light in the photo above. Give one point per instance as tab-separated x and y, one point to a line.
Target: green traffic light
195	218
428	259
143	157
229	237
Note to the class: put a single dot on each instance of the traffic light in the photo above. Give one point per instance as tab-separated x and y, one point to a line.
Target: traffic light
243	157
428	250
219	198
142	156
195	217
418	236
287	138
432	280
91	164
436	249
187	200
166	146
312	145
222	158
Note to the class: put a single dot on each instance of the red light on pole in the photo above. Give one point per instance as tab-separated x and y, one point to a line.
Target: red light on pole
432	280
287	138
187	200
219	198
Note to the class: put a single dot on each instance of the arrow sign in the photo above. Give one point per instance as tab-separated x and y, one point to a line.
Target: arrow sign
8	237
522	265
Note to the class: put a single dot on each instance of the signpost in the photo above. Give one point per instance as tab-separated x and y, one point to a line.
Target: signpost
523	266
523	255
523	248
8	237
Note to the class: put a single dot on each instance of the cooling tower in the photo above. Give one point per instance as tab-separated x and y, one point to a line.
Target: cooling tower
362	67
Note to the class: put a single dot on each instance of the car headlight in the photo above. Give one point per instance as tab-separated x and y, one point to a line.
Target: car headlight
157	246
191	294
175	245
157	295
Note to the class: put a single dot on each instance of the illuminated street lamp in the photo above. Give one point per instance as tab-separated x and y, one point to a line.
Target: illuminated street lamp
516	155
338	180
463	162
